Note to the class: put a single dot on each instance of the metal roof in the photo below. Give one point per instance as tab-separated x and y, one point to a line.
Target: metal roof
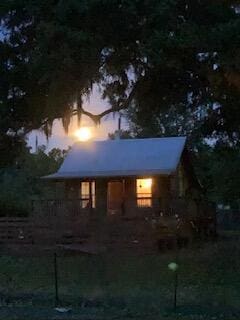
126	157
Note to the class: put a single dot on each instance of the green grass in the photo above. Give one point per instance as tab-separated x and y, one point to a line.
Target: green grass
131	286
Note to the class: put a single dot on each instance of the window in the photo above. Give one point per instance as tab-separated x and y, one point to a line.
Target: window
144	192
85	194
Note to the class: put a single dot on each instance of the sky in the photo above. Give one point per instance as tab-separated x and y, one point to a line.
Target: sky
60	139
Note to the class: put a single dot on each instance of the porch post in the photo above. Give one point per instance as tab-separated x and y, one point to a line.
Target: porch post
90	195
101	197
100	232
130	196
123	205
164	193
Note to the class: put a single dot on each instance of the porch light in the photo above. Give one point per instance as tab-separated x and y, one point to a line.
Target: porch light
83	134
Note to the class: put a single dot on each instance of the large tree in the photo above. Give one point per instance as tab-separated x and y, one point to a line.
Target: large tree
151	55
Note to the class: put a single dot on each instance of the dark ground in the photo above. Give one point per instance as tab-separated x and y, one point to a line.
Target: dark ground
125	287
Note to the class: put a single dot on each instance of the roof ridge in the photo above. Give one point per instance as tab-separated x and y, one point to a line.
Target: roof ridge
128	139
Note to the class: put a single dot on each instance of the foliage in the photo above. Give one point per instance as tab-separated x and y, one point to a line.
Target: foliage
21	183
120	134
216	161
152	55
218	169
173	122
173	64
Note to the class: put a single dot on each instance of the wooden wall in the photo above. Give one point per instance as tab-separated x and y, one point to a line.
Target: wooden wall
165	190
161	188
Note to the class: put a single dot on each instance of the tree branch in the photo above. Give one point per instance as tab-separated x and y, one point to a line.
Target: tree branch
96	118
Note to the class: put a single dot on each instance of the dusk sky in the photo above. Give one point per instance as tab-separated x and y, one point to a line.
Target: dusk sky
62	140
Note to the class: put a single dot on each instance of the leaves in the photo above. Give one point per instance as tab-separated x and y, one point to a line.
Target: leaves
53	52
21	182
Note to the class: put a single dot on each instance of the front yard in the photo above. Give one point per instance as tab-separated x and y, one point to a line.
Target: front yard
126	287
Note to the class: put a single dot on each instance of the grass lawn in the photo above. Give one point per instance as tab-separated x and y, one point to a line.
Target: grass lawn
127	287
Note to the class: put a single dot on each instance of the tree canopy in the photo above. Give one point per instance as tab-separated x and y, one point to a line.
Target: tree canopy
20	183
149	55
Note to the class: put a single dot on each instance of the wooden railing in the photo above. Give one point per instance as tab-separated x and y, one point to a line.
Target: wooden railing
60	207
155	206
70	219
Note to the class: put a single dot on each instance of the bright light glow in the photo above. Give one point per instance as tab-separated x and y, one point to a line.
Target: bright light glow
83	134
144	192
173	266
145	183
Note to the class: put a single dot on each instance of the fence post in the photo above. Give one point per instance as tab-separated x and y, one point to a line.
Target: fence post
175	290
56	279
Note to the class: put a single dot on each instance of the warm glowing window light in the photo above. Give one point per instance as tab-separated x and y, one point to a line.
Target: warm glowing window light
83	134
144	184
144	192
85	194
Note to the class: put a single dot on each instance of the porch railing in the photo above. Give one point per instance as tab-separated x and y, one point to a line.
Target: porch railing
61	207
156	206
73	218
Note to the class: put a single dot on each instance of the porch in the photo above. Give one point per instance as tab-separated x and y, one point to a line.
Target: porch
122	196
139	223
108	210
136	208
74	221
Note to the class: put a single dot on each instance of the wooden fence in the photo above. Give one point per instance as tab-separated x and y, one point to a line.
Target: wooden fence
15	230
39	231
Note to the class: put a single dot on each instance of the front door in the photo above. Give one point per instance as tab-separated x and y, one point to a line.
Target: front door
115	197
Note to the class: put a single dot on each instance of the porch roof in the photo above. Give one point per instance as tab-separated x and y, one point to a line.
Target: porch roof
119	158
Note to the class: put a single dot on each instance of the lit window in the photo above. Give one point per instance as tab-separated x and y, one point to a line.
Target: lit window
85	194
144	192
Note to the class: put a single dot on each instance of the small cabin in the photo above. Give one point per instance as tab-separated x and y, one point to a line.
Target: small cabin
126	180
